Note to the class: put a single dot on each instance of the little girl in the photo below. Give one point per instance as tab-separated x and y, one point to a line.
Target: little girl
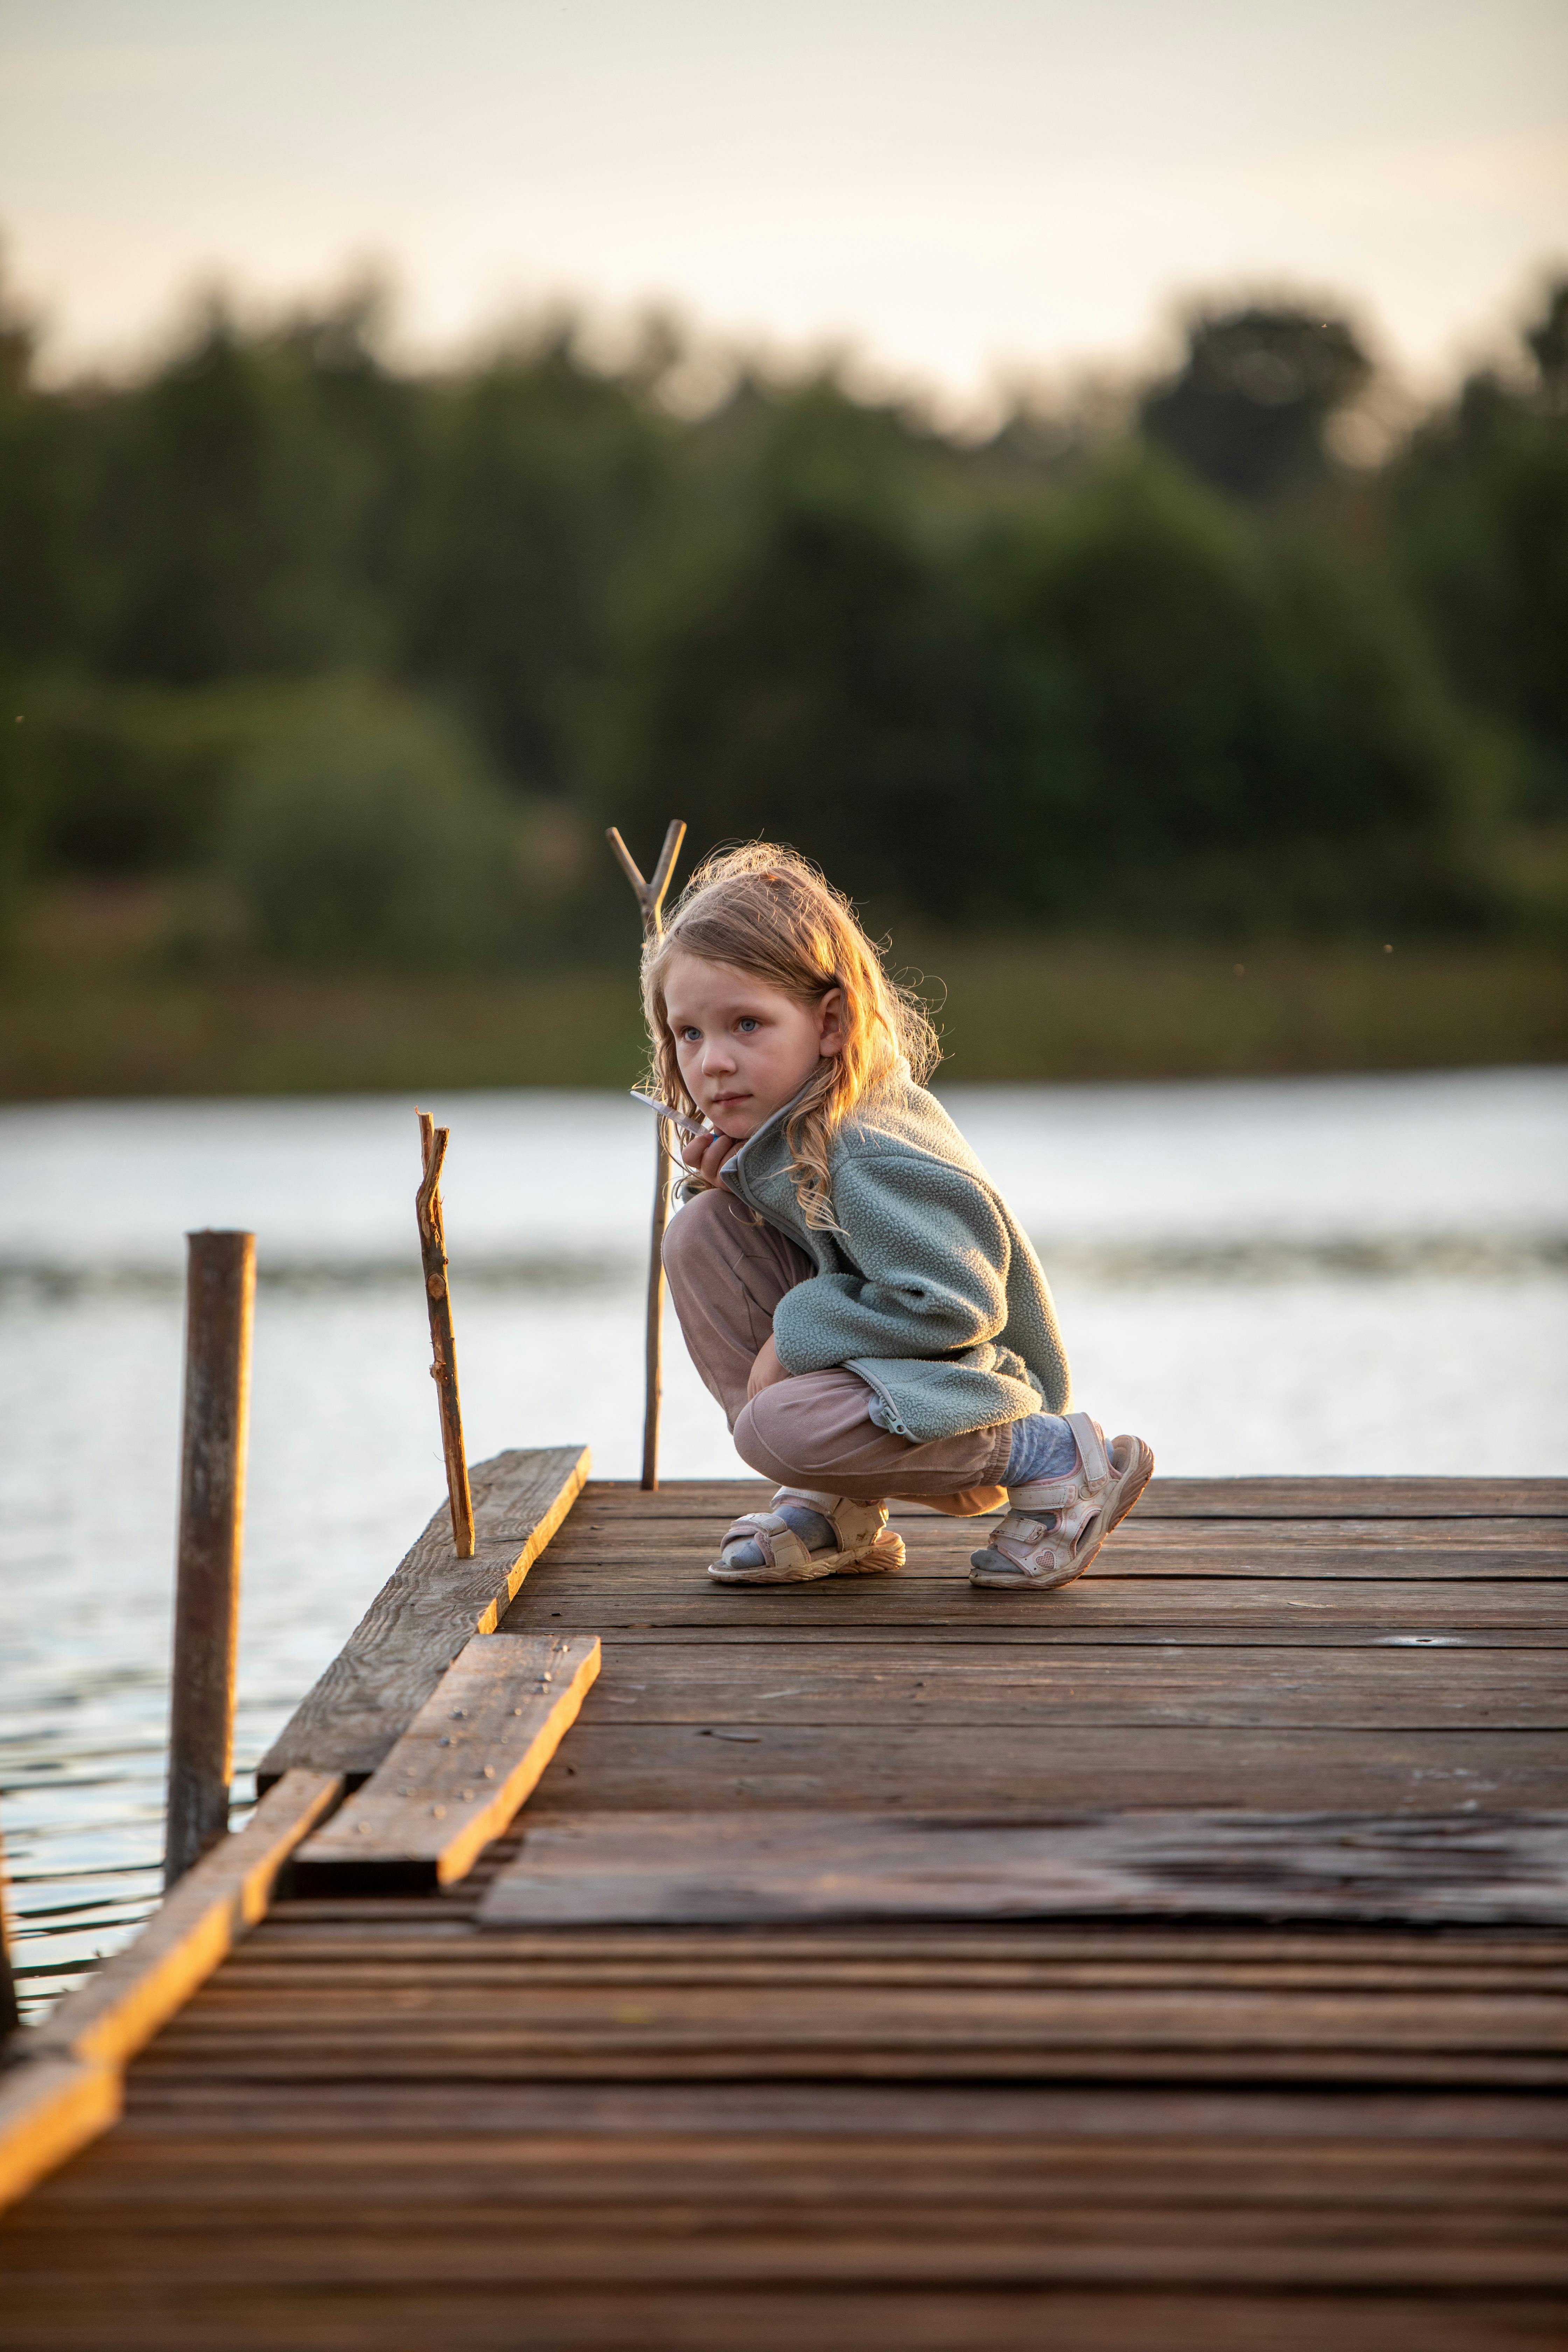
849	1283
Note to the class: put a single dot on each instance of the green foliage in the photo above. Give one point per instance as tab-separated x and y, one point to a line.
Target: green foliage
14	859
131	778
372	833
540	483
1241	730
1126	702
1115	686
1246	411
1480	511
816	672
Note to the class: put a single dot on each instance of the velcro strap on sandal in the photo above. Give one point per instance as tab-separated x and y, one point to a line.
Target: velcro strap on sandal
1090	1451
1027	1546
782	1547
854	1524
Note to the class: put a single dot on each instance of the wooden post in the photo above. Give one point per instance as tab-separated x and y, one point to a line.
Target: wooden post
650	899
220	1295
434	1140
10	2014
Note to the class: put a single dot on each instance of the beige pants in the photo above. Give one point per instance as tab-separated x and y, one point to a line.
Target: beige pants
727	1274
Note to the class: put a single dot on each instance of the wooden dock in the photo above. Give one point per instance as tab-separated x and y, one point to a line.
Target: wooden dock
1176	1961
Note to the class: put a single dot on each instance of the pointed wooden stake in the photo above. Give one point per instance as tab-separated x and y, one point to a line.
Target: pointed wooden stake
439	1299
650	899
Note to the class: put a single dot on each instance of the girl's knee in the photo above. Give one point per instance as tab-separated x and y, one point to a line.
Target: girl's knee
784	1433
756	1432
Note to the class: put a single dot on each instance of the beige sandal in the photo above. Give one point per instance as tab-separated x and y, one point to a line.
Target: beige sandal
1055	1526
866	1545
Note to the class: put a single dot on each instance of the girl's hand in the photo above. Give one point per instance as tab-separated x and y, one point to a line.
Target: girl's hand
706	1154
767	1370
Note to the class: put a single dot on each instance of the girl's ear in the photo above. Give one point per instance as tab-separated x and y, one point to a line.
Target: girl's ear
830	1023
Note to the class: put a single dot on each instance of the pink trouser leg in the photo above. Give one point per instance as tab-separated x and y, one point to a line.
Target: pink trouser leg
727	1274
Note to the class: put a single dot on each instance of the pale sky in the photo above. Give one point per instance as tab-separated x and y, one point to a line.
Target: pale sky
958	191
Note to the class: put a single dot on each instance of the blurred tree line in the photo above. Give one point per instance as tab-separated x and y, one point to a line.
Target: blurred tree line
385	650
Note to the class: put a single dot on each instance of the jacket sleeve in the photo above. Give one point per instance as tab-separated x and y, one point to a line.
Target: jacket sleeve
933	1252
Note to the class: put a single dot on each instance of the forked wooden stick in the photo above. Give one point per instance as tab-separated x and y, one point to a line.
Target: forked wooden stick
650	899
439	1299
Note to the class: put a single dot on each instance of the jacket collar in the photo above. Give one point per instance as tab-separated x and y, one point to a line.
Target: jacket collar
750	1164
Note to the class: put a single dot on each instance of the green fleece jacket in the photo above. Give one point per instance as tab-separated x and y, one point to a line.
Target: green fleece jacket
930	1291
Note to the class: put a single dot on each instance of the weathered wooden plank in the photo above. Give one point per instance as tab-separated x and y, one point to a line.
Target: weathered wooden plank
1098	1953
259	2178
861	2041
421	1618
1126	2033
1204	1549
123	2003
472	1754
398	2118
864	1684
921	1769
1280	1604
1490	1870
595	1533
997	2241
1184	1498
1039	1624
245	2311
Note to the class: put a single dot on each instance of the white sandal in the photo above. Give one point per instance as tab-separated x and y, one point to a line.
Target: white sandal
1077	1513
866	1544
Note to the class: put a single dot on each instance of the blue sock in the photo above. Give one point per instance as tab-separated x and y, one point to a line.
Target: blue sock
1043	1447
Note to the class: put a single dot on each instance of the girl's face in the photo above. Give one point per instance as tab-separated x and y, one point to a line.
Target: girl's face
744	1049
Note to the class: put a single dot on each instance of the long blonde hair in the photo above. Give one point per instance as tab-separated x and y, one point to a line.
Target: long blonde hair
768	911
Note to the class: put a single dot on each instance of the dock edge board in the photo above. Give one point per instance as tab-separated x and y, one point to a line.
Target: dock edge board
62	2086
50	2107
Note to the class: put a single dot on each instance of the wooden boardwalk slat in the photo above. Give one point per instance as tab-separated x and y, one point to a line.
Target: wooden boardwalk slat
1178	1498
637	1869
919	1768
1292	1688
380	2123
474	1752
938	1553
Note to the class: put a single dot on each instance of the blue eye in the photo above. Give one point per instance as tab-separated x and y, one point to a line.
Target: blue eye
689	1037
747	1021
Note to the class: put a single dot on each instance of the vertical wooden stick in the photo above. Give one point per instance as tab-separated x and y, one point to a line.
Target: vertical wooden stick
650	899
444	1348
220	1297
653	1348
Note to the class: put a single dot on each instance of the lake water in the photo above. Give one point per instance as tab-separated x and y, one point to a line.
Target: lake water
1310	1275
